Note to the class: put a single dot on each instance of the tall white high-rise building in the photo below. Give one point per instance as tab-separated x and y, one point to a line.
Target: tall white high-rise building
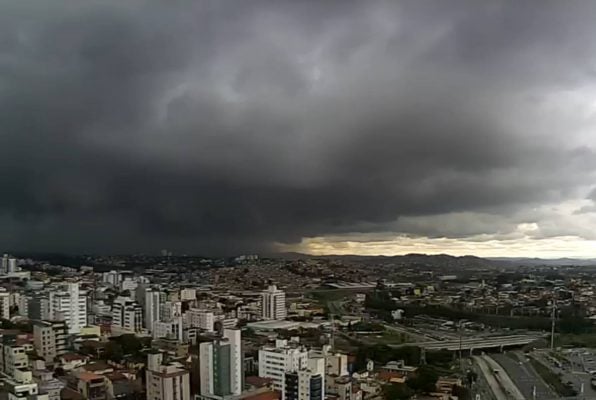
69	305
45	309
152	307
12	265
188	294
274	362
23	306
273	303
166	381
170	310
172	329
203	319
130	285
4	267
221	365
307	383
127	314
4	304
49	339
112	278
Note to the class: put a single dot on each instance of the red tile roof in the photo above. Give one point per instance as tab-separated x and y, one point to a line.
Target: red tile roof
258	381
88	376
271	395
72	357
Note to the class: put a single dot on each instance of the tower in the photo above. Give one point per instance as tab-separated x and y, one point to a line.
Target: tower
273	303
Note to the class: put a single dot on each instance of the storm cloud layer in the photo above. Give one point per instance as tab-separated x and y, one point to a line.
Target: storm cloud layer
230	126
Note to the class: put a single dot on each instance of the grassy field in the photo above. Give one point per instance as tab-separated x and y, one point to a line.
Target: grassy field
387	337
552	379
325	295
576	340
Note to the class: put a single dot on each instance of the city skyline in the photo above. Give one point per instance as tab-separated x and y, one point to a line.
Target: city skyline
336	127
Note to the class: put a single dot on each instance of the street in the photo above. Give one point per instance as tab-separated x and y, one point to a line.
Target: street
572	372
524	376
504	379
487	373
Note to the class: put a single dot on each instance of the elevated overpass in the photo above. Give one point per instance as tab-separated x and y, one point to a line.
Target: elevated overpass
475	343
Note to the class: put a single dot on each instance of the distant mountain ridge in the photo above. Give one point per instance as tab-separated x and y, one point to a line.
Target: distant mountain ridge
547	261
417	258
413	258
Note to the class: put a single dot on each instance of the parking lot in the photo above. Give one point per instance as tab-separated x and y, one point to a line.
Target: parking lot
581	360
575	367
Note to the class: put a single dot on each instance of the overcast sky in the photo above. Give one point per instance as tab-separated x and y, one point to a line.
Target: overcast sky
368	127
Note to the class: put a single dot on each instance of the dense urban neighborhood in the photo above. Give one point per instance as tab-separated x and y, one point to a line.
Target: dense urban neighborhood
296	328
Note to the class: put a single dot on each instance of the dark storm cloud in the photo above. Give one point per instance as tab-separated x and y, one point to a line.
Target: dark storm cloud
218	126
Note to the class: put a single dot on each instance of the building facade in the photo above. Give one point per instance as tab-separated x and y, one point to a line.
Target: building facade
202	319
69	305
152	307
127	314
49	339
14	358
166	382
274	362
221	366
4	304
273	303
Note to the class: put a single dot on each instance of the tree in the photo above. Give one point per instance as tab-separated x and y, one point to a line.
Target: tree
397	392
113	352
249	333
439	357
130	344
425	380
471	377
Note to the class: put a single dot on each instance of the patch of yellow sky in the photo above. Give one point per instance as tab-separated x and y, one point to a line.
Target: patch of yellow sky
526	239
556	247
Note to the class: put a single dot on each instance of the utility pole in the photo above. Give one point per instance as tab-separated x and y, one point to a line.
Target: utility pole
332	341
460	345
552	329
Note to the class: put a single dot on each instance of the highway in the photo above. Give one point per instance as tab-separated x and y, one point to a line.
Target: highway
505	380
476	343
489	376
525	377
481	386
410	333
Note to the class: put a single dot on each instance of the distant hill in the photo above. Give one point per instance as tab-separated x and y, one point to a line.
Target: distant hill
446	259
546	261
408	259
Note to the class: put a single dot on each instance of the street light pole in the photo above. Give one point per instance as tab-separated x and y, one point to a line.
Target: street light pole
552	328
460	346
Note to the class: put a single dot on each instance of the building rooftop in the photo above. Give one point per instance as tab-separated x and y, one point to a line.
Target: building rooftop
89	376
258	381
72	357
269	395
70	394
98	366
273	325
